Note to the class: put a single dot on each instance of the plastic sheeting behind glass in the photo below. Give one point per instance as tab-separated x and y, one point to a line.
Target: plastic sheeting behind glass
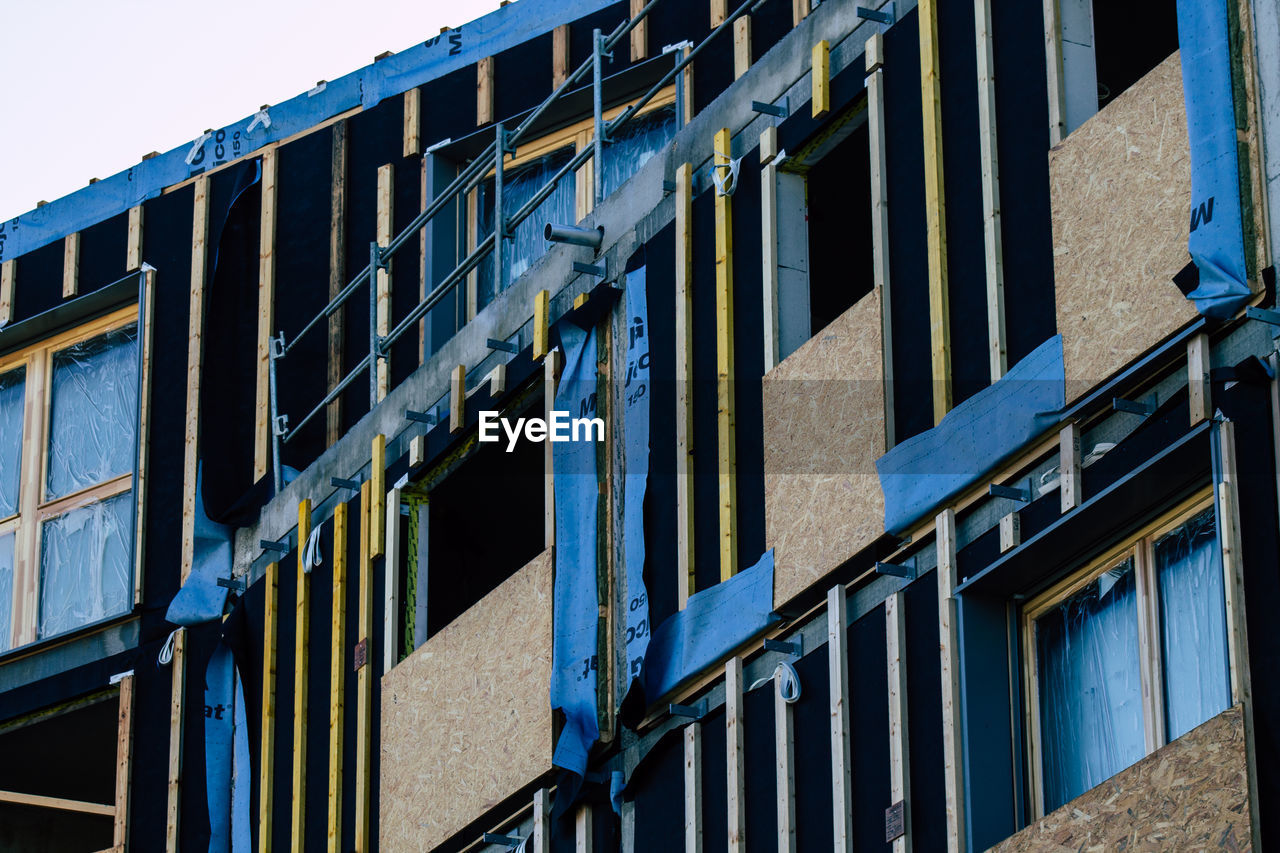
519	185
6	590
1193	620
94	412
634	143
85	565
1090	688
12	390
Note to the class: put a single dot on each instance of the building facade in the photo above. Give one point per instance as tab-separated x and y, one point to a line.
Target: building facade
966	536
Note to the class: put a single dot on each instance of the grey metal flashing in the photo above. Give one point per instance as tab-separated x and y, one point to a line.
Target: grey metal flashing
98	645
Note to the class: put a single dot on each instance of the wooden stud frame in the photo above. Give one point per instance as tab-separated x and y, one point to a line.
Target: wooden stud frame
71	265
559	55
1070	478
735	751
391	582
124	765
1199	362
551	367
412	122
484	90
267	762
949	649
639	33
841	750
1138	548
302	639
337	274
741	46
364	676
8	278
899	750
990	159
820	79
1053	72
693	788
195	360
784	745
727	463
935	215
687	583
133	248
386	199
799	11
177	728
266	317
458	398
337	675
541	324
378	506
769	245
33	508
880	219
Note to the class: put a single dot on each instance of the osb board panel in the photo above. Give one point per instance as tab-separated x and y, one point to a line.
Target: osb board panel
466	721
1192	794
823	431
1121	192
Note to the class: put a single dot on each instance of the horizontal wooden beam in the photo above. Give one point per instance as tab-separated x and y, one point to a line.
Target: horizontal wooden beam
57	803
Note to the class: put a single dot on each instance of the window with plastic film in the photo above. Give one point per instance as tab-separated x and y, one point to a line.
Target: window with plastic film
520	183
1126	655
68	445
634	144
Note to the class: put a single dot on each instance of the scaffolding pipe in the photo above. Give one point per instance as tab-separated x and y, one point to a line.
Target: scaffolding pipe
597	112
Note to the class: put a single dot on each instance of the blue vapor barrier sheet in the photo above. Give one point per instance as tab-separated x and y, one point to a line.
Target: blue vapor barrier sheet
505	28
926	470
574	661
715	622
1216	243
201	599
635	409
226	755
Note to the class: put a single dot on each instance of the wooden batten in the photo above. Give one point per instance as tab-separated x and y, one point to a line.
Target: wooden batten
784	751
177	716
727	454
8	277
949	648
541	323
378	506
266	317
302	638
58	803
364	678
735	751
337	274
71	265
1010	531
551	367
133	246
1199	362
841	751
584	178
687	583
559	55
146	339
124	764
990	160
799	11
899	748
195	358
583	833
391	582
1053	72
337	676
769	245
267	761
412	122
541	841
693	788
935	217
1070	479
484	90
386	199
639	33
458	399
880	220
820	79
719	12
741	46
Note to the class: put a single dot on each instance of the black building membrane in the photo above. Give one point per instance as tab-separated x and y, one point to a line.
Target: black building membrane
748	360
761	776
659	798
811	722
706	485
869	727
927	812
103	252
715	784
37	285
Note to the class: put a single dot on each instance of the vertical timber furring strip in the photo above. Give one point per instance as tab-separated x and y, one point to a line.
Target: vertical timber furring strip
693	788
412	122
1199	362
337	273
559	55
727	464
266	316
267	752
391	575
799	11
741	46
386	195
990	156
880	220
541	323
719	11
769	246
195	358
735	751
1053	72
8	275
377	506
71	265
302	636
364	675
935	210
640	33
177	716
124	764
133	246
1070	479
541	821
686	584
820	79
146	338
550	375
337	675
899	761
841	752
949	647
484	91
785	759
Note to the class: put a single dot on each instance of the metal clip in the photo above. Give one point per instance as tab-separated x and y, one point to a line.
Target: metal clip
884	15
276	346
280	425
505	840
339	483
421	417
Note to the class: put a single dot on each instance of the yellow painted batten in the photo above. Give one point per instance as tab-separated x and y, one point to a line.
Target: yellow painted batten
267	762
820	79
541	323
378	505
935	213
727	466
337	675
302	637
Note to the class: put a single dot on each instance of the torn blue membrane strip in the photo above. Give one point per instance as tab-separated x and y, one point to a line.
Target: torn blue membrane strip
926	470
500	30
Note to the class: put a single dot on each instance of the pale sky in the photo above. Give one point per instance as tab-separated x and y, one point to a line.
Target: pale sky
92	85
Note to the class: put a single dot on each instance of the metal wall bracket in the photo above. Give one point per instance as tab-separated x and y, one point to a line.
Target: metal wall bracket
1021	495
281	547
795	649
898	570
1120	404
695	712
1262	314
420	417
505	840
501	346
339	483
590	269
233	584
776	110
884	15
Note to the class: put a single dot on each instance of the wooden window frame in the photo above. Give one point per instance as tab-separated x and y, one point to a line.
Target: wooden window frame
1138	546
33	508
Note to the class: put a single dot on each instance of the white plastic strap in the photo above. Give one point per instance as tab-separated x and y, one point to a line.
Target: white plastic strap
311	556
197	145
725	175
790	682
259	118
166	651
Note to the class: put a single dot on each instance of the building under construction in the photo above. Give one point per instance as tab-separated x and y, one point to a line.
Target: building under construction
897	471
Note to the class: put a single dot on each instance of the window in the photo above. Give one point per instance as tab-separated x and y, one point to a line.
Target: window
1107	47
1126	656
634	143
68	427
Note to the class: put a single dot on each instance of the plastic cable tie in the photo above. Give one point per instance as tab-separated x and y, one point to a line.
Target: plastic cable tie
197	145
259	118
